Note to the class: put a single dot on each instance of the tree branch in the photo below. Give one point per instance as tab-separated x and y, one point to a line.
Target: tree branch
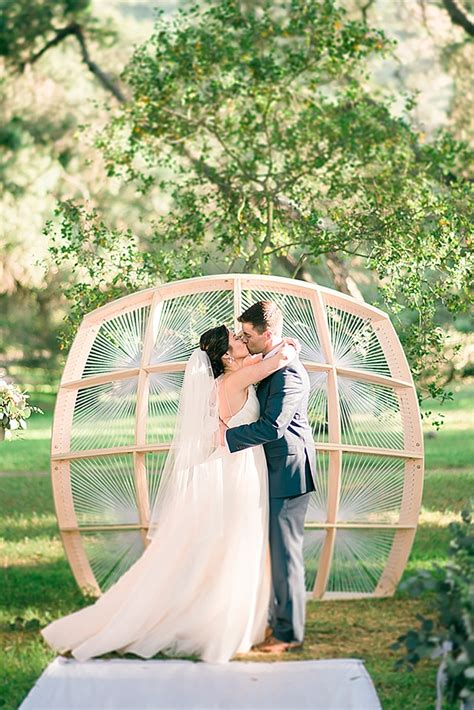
284	246
295	268
365	9
213	132
104	78
459	16
57	39
424	18
211	174
76	30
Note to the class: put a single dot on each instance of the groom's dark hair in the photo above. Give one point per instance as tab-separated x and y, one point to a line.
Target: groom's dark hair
263	315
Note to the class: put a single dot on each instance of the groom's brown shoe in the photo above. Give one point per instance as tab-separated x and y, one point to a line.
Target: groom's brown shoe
274	645
268	633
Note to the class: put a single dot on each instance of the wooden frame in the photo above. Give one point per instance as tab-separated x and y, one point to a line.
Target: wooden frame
353	376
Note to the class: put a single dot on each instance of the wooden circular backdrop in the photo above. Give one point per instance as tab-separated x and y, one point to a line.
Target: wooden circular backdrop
117	404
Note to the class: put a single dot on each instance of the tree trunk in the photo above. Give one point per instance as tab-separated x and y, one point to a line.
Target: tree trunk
341	277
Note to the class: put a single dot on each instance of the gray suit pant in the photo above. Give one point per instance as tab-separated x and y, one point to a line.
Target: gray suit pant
288	607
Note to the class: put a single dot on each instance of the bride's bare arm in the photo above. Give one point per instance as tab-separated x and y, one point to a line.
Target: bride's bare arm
252	360
255	371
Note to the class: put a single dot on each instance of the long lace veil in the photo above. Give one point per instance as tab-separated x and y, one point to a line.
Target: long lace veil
195	439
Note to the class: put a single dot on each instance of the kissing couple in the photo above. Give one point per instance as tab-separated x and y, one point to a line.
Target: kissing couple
223	568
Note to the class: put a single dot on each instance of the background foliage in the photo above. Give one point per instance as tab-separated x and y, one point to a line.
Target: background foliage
449	635
239	136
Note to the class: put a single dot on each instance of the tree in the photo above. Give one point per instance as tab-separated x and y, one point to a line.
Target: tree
435	57
260	125
48	91
30	29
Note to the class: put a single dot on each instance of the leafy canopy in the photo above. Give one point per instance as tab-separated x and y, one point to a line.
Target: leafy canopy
259	126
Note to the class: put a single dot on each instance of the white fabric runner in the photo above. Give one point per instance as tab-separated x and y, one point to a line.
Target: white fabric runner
122	684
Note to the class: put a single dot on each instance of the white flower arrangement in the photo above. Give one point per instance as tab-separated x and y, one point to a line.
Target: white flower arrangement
14	409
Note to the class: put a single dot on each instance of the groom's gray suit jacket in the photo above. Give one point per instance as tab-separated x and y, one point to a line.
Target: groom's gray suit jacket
284	431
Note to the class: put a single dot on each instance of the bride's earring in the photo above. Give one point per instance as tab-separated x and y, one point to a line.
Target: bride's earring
229	358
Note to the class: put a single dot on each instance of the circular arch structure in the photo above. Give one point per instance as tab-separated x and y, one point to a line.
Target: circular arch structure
118	398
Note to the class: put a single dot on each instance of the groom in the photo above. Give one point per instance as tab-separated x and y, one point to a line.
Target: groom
284	431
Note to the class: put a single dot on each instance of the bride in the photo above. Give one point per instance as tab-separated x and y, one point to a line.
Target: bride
202	586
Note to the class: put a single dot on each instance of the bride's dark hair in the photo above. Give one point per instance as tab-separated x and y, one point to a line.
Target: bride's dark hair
215	342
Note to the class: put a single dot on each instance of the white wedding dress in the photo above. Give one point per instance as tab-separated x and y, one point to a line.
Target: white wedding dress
202	586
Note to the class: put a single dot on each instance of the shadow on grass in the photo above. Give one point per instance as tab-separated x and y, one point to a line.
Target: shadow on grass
26	496
46	589
18	529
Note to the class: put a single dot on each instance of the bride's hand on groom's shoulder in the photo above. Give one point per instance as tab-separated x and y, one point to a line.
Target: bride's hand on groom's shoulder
294	343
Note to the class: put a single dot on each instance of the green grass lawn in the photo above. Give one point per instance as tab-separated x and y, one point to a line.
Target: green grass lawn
37	586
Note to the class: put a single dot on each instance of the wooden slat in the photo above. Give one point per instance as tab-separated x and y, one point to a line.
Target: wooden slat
360	526
150	448
368	450
178	366
352	305
119	307
322	326
334	485
103	528
62	421
345	596
141	413
81	569
396	562
317	366
201	284
324	566
141	491
62	494
237	304
335	458
143	378
92	380
372	377
278	284
308	526
94	453
79	352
